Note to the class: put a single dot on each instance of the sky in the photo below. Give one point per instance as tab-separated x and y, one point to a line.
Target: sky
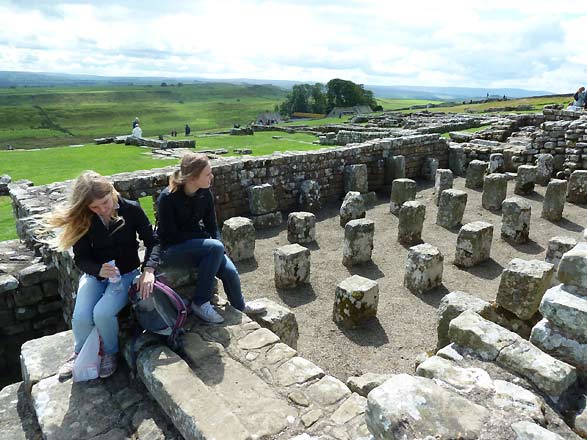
537	45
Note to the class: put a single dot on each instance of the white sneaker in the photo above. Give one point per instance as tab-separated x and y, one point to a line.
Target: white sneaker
207	313
254	308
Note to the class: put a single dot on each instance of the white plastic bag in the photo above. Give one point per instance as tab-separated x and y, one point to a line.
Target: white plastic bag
87	364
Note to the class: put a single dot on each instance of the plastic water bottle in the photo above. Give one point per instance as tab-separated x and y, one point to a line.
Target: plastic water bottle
115	278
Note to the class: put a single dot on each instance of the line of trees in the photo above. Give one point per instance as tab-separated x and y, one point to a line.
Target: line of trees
318	98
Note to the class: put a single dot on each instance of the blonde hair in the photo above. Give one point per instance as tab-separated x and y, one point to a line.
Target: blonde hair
76	217
192	165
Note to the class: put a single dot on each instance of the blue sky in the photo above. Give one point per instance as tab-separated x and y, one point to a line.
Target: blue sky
540	45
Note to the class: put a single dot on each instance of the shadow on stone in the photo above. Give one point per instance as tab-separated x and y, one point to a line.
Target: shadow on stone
297	296
371	334
535	196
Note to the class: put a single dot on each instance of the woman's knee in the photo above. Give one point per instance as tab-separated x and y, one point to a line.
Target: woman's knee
216	247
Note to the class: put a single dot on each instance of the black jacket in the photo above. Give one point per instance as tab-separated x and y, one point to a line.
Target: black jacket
181	217
118	241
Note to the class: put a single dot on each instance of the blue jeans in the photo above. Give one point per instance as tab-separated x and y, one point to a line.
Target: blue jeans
97	303
208	256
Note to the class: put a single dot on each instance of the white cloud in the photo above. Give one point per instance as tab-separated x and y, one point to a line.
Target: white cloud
532	44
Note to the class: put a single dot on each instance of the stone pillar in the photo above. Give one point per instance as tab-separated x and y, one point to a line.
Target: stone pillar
411	222
301	227
522	286
577	189
355	178
554	200
473	244
353	207
544	168
429	167
279	319
355	301
557	247
358	241
395	168
310	196
238	236
261	199
292	266
423	268
451	207
475	173
496	163
402	190
526	179
456	160
442	181
495	188
515	220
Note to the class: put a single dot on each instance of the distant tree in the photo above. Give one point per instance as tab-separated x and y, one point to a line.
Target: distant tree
342	93
179	84
164	84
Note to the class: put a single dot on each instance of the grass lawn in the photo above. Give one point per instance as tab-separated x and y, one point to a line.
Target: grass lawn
394	104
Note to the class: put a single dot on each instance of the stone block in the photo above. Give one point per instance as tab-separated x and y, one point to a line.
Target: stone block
496	163
557	247
269	220
355	301
261	199
567	311
475	173
36	273
395	168
443	180
451	207
550	339
352	208
292	265
7	283
456	160
238	236
309	199
554	200
495	188
28	296
577	188
515	224
522	286
429	167
402	190
572	269
358	241
301	227
362	385
544	168
279	319
424	268
356	178
473	244
526	179
411	222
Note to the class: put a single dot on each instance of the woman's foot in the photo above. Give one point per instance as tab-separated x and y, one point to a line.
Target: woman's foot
108	365
207	313
66	370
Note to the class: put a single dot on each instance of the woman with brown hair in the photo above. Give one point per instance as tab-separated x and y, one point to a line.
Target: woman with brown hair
102	227
188	231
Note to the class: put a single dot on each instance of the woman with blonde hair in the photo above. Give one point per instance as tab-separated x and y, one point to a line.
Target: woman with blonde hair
188	231
102	227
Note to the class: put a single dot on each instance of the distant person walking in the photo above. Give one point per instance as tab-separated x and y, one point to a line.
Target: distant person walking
188	130
580	99
137	131
135	122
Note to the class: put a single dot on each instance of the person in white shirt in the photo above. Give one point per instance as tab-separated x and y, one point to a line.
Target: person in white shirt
137	132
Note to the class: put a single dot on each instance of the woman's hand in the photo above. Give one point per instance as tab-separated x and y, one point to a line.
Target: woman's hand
108	270
146	282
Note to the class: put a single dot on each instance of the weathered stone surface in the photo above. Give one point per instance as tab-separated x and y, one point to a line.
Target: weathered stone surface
514	398
456	160
269	220
358	241
496	163
261	199
515	225
355	178
402	190
352	208
577	188
301	227
355	301
572	269
555	342
451	207
405	405
526	179
475	173
554	200
363	385
328	391
36	273
544	168
473	244
297	371
429	167
41	358
279	319
411	222
17	417
522	286
395	168
566	310
443	180
309	199
464	380
451	306
531	431
238	236
424	267
352	407
557	247
495	188
292	265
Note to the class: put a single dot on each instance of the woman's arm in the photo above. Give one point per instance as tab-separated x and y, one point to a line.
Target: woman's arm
84	258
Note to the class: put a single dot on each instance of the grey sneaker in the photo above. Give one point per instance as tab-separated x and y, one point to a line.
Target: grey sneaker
108	365
252	308
66	370
207	313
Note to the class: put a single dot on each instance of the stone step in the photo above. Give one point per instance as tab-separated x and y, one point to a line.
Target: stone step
566	310
17	417
237	380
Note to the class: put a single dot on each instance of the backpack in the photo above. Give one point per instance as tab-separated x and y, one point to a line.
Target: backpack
163	312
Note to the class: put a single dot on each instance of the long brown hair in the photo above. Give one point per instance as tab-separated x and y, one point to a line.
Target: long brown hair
75	217
192	165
